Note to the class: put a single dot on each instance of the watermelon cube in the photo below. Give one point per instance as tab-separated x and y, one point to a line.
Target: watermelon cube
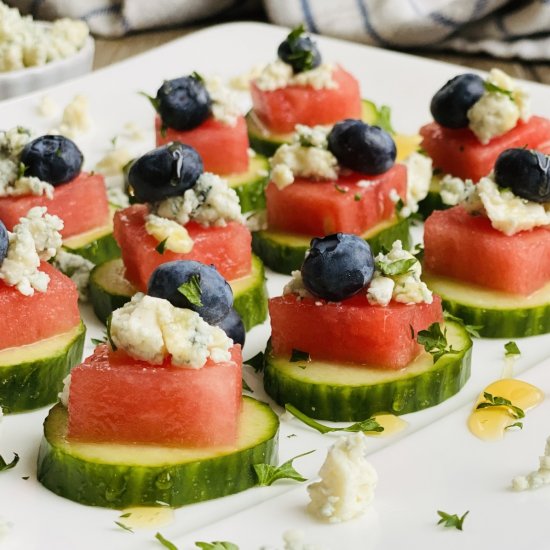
81	203
228	248
468	248
459	152
353	204
280	110
222	147
351	331
28	319
114	398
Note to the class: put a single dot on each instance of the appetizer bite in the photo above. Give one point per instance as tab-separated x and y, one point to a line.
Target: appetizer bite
156	416
184	213
47	171
202	113
488	257
347	333
42	336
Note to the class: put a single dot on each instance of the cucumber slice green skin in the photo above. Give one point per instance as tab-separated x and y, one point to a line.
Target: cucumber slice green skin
250	302
285	258
98	251
34	384
250	187
121	486
352	403
431	202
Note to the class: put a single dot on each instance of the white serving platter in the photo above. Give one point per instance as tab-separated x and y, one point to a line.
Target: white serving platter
435	464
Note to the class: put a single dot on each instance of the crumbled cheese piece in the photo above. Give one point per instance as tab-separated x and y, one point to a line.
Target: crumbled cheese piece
508	213
152	329
114	161
63	395
116	195
35	238
134	131
294	540
419	177
209	202
307	157
296	286
175	237
495	113
224	103
242	82
13	141
406	288
394	196
348	481
538	478
77	268
76	117
47	107
256	220
26	43
278	74
454	190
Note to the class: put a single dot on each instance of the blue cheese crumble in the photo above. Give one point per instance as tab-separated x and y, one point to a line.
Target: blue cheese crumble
77	268
152	329
279	74
419	177
225	106
454	190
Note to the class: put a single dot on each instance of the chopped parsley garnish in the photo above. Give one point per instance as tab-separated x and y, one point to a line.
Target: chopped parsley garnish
257	362
434	341
8	465
397	267
216	545
165	542
357	197
383	119
191	289
21	169
126	515
511	349
418	252
515	425
368	425
498	401
490	87
453	520
153	100
267	473
298	355
341	189
25	477
109	338
472	330
302	59
98	341
196	76
161	247
125	527
114	141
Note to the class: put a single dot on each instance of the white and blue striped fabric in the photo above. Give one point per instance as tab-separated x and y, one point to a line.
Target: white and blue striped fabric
503	28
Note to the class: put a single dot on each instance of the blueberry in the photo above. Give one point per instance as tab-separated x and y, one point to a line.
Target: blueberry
4	242
166	171
337	266
526	172
233	326
183	103
451	103
361	147
53	159
192	285
299	51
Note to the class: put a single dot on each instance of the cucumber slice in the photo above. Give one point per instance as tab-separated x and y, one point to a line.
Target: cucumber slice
251	184
110	290
284	252
341	392
265	142
97	245
31	376
119	476
500	314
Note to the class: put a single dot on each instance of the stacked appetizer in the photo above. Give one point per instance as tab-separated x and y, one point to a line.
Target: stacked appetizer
184	213
474	121
346	332
42	334
487	256
156	416
47	172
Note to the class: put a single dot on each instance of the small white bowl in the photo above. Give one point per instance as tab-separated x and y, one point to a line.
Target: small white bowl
30	79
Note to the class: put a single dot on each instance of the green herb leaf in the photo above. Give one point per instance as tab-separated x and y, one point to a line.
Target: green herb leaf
153	100
25	477
21	169
515	425
216	545
368	425
418	252
434	341
497	401
449	520
383	119
165	542
196	76
192	290
397	267
511	349
472	330
161	247
302	60
97	341
108	325
291	435
246	386
357	197
296	32
126	515
114	141
341	189
257	362
490	87
125	527
298	355
267	473
8	465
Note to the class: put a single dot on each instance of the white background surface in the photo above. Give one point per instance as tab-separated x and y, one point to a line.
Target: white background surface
435	464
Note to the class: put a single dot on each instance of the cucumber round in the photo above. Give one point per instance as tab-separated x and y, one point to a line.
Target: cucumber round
433	200
284	252
498	314
251	184
109	290
343	392
97	245
31	376
266	142
123	475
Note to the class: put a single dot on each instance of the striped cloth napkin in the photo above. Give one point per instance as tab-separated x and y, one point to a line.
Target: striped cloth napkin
503	28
